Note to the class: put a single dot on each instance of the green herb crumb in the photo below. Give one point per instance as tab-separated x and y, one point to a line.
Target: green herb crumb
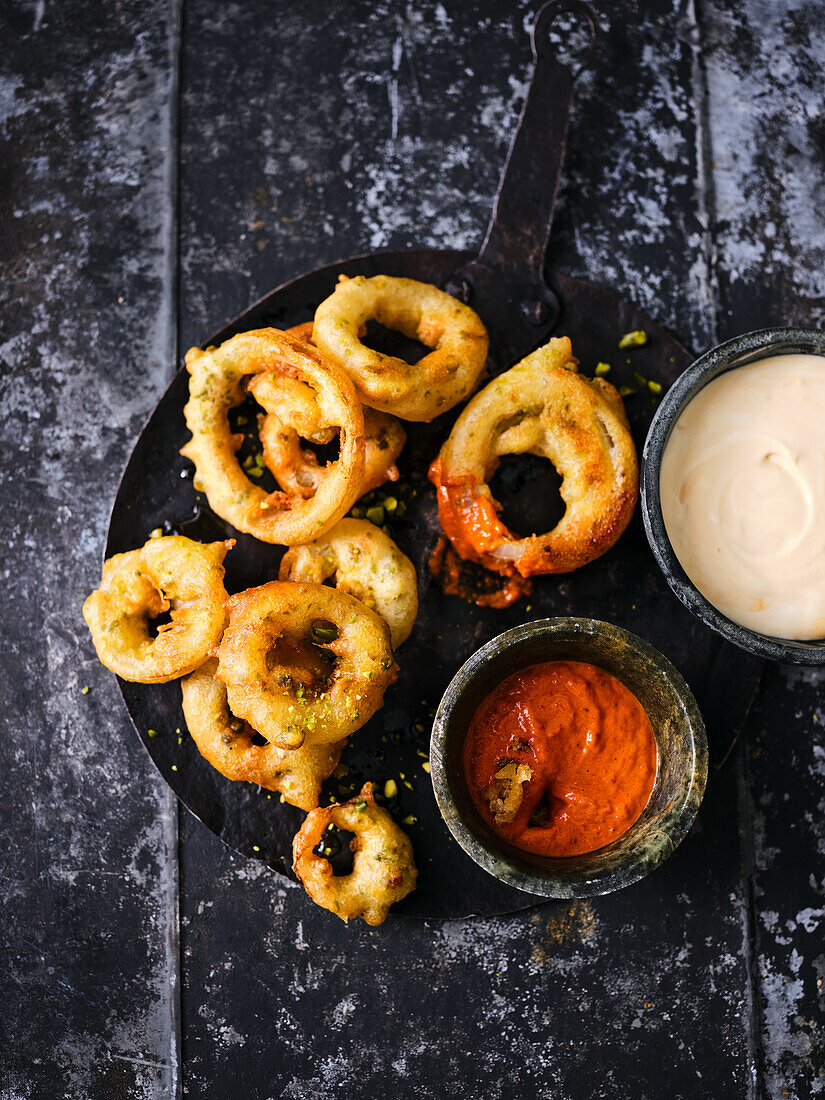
633	339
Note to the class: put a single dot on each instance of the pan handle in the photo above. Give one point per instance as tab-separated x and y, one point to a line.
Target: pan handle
505	283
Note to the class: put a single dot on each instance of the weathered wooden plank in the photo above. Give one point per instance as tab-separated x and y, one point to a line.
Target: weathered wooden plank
370	125
766	125
88	984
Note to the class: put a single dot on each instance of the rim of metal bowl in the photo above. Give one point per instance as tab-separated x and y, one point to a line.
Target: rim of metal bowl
734	353
506	865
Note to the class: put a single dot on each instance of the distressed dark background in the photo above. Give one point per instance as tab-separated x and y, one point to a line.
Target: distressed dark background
164	164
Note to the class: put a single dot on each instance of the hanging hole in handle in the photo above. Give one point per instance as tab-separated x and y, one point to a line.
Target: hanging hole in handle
568	28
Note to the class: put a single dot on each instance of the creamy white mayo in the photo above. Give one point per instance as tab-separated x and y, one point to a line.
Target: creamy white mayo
742	487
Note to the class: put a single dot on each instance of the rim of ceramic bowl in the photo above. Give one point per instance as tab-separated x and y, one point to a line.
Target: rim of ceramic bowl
534	874
738	352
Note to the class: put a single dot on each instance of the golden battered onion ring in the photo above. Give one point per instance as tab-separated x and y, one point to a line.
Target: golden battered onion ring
303	661
227	743
215	386
420	311
540	407
291	413
367	564
171	574
383	870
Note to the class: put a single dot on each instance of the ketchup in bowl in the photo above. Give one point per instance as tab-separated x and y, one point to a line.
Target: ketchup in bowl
560	758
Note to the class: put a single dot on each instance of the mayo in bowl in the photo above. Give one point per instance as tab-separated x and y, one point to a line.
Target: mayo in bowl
742	490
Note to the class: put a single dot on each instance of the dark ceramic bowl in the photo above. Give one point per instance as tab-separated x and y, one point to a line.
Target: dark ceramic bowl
728	356
680	737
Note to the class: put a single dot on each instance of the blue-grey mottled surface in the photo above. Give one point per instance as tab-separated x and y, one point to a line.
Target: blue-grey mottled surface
159	172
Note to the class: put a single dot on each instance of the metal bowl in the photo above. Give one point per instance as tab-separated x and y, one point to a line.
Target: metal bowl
680	737
728	356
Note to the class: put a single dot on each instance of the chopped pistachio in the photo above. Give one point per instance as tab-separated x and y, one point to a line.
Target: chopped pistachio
85	690
323	630
376	515
654	387
633	339
410	819
157	533
361	805
242	421
152	733
390	504
282	799
255	848
602	369
626	391
390	789
255	472
174	767
426	766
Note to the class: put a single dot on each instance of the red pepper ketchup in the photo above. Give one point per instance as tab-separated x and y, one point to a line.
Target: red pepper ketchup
560	758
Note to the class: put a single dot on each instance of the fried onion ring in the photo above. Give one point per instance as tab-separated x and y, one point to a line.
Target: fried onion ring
539	407
227	743
304	662
419	391
366	563
291	413
383	870
172	574
216	385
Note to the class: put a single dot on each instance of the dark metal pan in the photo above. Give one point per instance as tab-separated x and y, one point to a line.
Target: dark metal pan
522	304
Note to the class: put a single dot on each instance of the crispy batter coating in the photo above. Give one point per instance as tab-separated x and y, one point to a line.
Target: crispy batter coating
541	407
172	574
227	743
361	560
383	870
304	662
216	384
413	391
291	413
506	793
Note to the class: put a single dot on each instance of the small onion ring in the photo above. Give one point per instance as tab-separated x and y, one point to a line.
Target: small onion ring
216	385
542	407
304	662
383	870
419	391
367	564
227	743
172	574
291	413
